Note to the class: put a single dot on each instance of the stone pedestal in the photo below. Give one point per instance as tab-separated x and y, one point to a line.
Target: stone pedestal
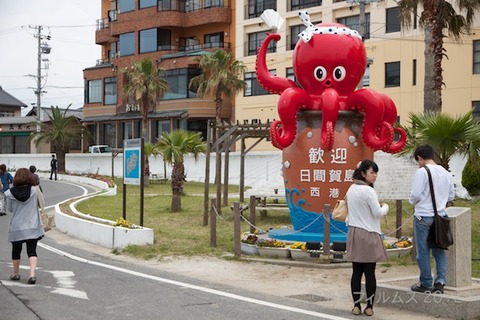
459	255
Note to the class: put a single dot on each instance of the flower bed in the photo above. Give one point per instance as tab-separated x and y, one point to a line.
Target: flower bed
399	248
248	243
273	248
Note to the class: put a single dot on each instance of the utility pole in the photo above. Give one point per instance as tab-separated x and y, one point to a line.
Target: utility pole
362	29
42	48
361	19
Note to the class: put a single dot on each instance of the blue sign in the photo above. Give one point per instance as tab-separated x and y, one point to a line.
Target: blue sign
132	165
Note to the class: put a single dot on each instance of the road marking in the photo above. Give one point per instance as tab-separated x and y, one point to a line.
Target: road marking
63	291
66	284
65	280
191	286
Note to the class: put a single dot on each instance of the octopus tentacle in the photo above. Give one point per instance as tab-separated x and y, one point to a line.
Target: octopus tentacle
330	107
269	82
377	134
398	145
390	116
283	132
275	132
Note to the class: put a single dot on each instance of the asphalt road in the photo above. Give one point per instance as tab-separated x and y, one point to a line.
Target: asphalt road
77	283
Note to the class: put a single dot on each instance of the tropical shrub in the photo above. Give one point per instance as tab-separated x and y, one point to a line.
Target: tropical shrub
470	176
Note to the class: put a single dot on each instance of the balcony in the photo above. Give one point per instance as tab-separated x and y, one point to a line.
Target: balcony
223	45
191	5
168	13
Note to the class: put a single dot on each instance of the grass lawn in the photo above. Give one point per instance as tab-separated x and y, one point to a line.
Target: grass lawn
183	233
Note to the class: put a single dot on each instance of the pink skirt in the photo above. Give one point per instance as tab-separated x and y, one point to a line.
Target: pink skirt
364	246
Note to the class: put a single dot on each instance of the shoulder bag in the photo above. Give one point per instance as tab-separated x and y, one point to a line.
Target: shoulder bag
440	235
340	211
44	217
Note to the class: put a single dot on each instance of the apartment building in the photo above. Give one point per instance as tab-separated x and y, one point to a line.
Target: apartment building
171	33
395	56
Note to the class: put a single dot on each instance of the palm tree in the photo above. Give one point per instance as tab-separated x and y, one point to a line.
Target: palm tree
174	146
437	16
221	76
149	149
447	135
60	131
144	85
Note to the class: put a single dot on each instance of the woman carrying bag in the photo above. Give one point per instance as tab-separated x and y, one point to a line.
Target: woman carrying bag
364	241
25	225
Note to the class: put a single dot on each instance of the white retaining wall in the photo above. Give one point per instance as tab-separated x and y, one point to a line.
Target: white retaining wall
262	169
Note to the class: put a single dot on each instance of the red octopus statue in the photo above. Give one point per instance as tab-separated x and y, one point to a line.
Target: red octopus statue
329	61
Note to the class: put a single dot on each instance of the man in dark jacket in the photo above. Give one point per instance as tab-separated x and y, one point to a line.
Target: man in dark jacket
53	167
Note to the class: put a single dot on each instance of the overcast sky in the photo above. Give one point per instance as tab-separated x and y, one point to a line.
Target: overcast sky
71	25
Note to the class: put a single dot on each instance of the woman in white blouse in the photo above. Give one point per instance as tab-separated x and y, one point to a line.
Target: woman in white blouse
364	240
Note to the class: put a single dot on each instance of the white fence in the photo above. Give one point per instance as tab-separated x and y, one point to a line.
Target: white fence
262	169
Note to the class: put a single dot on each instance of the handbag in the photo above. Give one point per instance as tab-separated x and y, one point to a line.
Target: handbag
440	234
340	211
44	217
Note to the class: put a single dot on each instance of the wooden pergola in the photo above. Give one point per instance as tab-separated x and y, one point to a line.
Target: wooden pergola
220	138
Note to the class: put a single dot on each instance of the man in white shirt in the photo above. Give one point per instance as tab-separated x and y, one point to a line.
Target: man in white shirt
421	198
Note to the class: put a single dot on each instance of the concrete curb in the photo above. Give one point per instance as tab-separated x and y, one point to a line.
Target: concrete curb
96	230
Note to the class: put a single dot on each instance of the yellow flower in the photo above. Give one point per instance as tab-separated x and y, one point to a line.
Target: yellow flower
299	245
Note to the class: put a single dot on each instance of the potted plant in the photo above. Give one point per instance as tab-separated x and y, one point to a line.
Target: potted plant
248	243
398	248
298	251
273	248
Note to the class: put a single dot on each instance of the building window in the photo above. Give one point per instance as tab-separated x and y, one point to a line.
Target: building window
414	73
147	3
476	110
127	44
255	40
113	52
107	134
126	5
148	40
157	39
253	88
4	114
160	127
17	143
476	57
110	90
213	3
94	91
353	22
127	130
393	22
178	83
294	32
366	77
255	8
213	40
302	4
291	75
392	74
164	39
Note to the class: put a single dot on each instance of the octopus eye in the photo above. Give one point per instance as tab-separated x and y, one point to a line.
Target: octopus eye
320	73
339	73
